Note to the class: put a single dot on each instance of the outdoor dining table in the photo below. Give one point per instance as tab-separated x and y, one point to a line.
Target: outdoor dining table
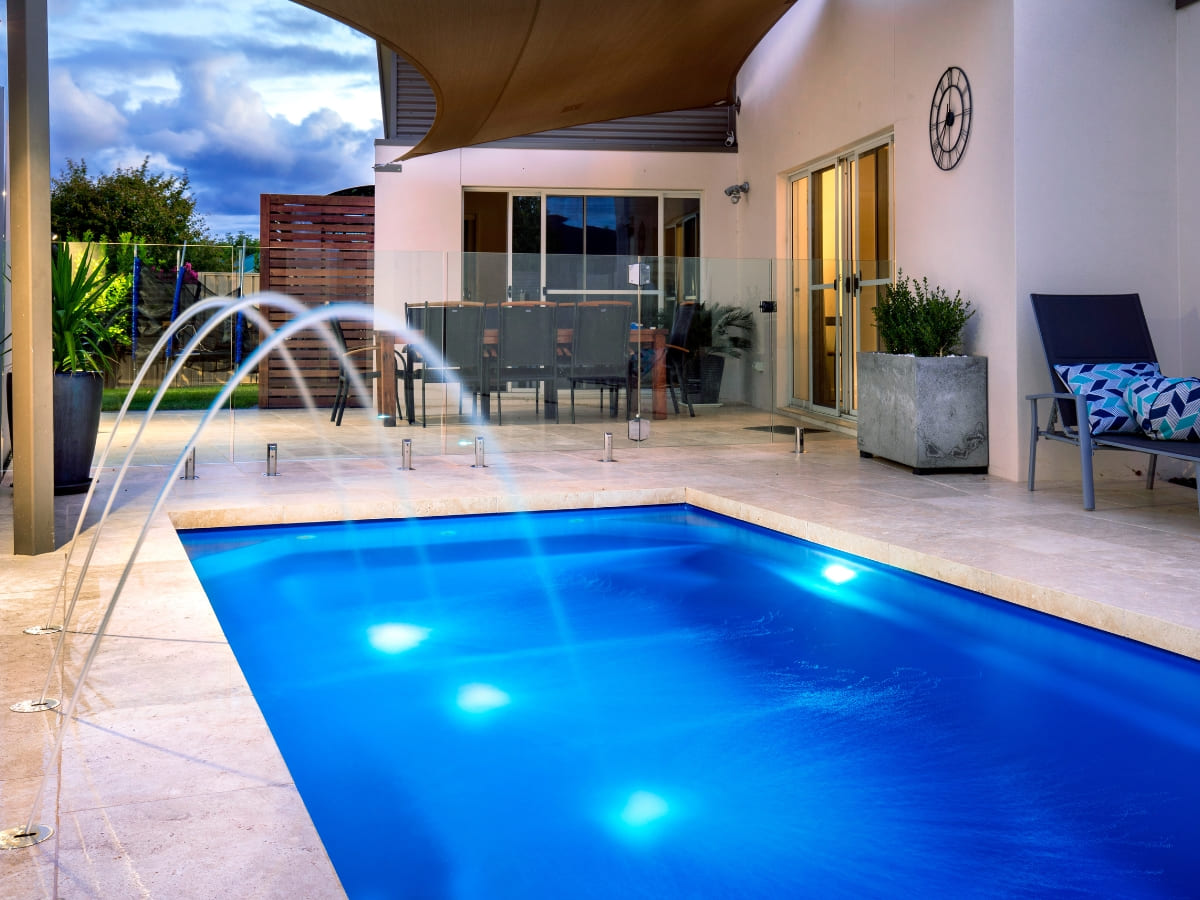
639	338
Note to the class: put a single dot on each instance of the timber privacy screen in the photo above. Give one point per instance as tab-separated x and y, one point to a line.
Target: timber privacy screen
317	249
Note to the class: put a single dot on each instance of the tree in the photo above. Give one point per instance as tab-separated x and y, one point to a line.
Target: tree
156	207
223	254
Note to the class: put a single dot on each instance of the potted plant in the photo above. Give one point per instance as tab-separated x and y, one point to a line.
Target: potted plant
719	331
920	403
87	342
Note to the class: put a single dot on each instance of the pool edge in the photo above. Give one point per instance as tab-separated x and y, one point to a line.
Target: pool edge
1146	629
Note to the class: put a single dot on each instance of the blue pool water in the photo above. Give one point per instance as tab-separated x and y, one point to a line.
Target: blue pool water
665	703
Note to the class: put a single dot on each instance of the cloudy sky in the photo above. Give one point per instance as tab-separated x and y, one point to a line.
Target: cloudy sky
246	96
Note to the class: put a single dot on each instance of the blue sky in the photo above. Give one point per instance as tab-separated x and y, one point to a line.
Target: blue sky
247	96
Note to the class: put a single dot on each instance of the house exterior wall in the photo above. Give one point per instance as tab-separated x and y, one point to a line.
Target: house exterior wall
1187	154
1096	99
1075	178
419	210
831	75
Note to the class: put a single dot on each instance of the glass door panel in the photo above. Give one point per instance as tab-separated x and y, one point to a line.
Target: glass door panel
823	288
568	247
871	187
525	282
681	263
485	245
800	248
841	255
564	243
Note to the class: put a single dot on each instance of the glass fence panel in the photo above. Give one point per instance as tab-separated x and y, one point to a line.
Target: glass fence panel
116	301
717	367
703	351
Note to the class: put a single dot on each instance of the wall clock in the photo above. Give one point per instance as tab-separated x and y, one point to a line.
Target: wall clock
950	118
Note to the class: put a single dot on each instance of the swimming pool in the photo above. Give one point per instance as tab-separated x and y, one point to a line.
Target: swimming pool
663	702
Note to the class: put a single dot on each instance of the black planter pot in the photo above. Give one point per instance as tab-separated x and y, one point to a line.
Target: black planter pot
704	378
77	401
78	397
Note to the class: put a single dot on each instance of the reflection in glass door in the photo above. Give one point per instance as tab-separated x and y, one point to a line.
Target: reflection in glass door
525	281
841	240
871	260
564	248
485	245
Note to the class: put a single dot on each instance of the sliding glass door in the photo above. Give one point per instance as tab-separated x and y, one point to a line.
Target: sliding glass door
841	240
568	247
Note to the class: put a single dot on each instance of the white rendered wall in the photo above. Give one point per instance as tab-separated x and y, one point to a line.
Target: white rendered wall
1187	50
834	73
419	210
1096	101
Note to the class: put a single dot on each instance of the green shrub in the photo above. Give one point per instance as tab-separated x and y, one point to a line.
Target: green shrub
85	326
913	317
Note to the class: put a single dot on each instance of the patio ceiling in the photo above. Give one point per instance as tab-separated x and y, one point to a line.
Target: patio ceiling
503	68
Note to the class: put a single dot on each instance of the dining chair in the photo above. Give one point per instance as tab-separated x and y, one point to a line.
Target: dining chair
600	350
348	361
452	349
677	354
526	350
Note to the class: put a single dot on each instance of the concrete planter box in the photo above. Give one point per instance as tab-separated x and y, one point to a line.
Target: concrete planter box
926	412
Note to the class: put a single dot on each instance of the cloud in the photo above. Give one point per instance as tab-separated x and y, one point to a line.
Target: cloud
81	116
247	97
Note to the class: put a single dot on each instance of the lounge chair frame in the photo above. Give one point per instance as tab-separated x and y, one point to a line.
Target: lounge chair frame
1093	328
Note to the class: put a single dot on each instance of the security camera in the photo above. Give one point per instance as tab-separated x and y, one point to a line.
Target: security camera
731	190
730	139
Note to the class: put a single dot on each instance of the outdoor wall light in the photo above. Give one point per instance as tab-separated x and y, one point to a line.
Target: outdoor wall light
393	166
734	191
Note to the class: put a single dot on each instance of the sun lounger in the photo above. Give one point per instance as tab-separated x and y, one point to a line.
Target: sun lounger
1087	330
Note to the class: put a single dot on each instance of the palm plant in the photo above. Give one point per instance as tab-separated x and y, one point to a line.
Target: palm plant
720	329
85	324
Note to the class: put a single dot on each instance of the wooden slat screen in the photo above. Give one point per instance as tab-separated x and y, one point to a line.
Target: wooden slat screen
316	249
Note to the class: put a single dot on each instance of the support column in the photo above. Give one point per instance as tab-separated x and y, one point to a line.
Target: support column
32	356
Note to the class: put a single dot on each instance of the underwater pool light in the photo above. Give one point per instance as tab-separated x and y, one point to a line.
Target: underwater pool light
642	808
837	573
481	698
396	637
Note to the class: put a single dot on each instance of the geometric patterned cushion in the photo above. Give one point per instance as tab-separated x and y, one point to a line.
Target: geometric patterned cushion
1103	386
1175	412
1140	397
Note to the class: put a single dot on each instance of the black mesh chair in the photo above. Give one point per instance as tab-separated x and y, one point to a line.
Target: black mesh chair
453	334
677	354
348	361
600	349
526	349
1077	329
